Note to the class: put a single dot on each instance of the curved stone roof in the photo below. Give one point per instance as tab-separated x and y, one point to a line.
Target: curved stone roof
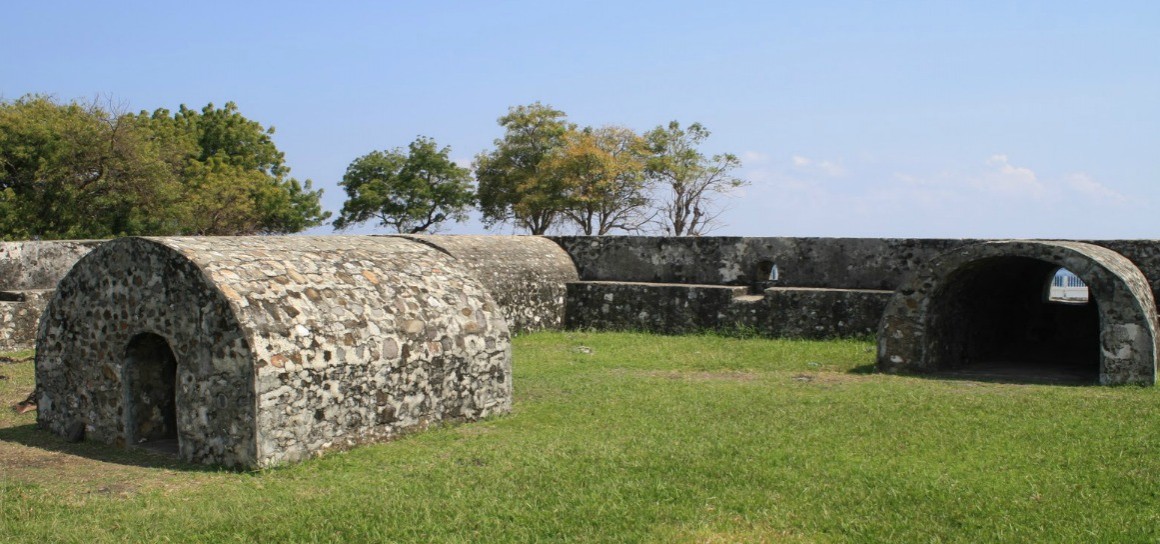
285	346
527	275
910	334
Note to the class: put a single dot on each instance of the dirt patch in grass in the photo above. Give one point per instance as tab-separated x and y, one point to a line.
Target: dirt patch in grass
47	464
702	376
831	378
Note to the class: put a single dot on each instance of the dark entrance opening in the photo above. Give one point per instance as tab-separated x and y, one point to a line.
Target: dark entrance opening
151	394
765	276
995	319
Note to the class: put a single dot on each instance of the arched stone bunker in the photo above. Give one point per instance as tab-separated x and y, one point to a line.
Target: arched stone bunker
256	351
985	310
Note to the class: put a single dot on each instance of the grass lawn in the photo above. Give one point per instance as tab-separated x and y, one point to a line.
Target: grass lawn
639	438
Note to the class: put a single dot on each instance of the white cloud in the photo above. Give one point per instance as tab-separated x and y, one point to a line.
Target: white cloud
754	157
994	198
1086	186
827	168
1006	179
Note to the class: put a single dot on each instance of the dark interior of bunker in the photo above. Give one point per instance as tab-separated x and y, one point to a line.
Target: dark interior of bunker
994	319
151	392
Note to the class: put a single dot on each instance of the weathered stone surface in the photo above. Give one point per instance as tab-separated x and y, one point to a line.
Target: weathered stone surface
988	301
283	346
526	275
39	265
835	263
28	274
654	307
807	312
1145	254
671	308
19	317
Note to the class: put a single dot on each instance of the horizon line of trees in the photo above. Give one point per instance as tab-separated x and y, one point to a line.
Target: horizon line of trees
546	173
92	170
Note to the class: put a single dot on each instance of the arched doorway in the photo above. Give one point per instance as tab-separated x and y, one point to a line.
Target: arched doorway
996	319
986	308
151	393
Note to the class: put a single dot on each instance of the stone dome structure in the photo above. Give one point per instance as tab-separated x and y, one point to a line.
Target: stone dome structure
256	351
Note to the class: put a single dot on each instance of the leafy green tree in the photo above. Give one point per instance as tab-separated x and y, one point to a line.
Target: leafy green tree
84	170
602	173
691	182
514	184
237	178
78	170
410	191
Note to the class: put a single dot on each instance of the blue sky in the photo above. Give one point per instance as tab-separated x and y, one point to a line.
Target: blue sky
909	119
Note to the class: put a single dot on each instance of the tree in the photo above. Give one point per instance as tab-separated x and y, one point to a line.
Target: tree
412	191
514	185
236	178
602	173
691	181
87	170
79	170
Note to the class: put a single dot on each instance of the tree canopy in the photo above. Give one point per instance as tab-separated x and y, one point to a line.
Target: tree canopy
514	183
84	170
601	171
411	192
691	181
546	171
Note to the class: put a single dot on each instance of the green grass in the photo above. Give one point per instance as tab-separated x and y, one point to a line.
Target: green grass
638	438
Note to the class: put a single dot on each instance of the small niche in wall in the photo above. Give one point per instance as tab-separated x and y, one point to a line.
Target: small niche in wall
767	271
9	296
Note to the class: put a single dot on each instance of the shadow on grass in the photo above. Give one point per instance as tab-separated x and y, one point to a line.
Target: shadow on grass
33	437
1011	373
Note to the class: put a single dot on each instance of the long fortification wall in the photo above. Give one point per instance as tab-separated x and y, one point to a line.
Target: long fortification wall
796	287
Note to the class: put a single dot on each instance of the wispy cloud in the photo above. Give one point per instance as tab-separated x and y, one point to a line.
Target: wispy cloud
998	196
1085	185
1006	179
754	158
824	167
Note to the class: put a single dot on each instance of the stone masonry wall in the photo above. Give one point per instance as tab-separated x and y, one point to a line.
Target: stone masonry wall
28	274
691	308
806	312
823	286
20	317
307	343
39	265
662	308
526	275
114	294
837	263
946	315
